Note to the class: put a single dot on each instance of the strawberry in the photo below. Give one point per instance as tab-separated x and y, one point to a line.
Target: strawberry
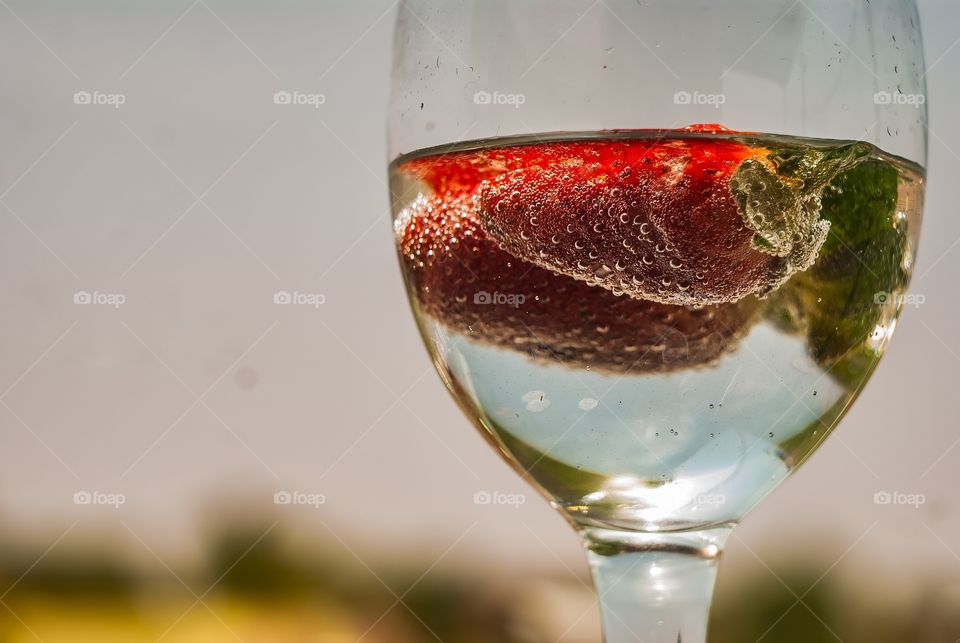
680	220
460	173
462	279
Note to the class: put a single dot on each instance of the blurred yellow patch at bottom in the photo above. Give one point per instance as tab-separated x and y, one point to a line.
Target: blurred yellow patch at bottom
213	621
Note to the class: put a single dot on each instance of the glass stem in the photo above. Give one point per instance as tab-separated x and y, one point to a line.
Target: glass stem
654	587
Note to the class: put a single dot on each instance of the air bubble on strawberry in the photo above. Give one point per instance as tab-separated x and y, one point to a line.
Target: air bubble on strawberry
682	221
457	273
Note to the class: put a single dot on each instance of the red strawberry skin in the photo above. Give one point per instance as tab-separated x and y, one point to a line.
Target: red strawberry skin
654	219
449	261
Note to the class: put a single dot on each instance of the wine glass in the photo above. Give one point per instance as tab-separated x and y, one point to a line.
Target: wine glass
655	250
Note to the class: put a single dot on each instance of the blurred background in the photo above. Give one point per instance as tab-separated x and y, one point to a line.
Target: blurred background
217	421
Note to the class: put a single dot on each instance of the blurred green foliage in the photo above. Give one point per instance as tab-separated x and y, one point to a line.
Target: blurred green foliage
267	590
